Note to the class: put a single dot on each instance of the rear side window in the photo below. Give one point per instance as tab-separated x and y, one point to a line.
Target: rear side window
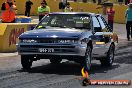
106	24
101	22
96	25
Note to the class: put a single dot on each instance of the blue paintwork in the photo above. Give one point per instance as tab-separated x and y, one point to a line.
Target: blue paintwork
53	33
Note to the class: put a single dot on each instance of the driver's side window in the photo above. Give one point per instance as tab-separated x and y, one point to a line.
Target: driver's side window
96	25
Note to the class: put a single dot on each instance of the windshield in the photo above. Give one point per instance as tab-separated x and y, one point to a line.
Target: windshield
80	21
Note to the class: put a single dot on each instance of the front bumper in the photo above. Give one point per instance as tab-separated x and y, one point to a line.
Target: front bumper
59	49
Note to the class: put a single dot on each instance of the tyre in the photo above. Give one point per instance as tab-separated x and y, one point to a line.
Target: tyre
26	62
55	61
108	61
87	59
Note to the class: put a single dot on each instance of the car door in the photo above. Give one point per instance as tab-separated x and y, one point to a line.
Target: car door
103	32
97	29
102	36
107	31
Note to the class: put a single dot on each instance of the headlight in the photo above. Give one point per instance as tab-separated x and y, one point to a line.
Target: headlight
28	41
67	41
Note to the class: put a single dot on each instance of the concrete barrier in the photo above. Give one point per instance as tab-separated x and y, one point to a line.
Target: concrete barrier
9	34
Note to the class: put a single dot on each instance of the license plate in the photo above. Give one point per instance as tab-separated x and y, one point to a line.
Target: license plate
46	50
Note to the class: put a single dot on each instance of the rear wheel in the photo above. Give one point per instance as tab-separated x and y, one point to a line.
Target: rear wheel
55	61
108	61
26	62
87	59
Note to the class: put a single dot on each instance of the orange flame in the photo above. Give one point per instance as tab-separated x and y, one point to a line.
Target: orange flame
84	73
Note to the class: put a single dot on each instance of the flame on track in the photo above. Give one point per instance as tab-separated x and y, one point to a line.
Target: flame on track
84	73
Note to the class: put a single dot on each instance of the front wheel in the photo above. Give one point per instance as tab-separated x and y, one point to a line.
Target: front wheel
26	62
108	61
87	59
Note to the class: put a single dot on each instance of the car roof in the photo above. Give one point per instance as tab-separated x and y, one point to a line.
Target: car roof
87	13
